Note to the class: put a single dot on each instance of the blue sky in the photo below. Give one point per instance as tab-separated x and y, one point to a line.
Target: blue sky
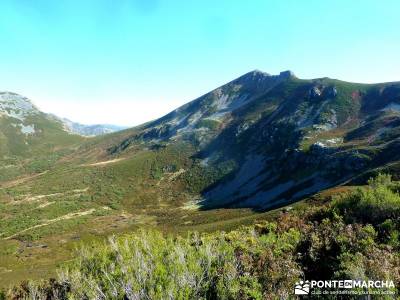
129	61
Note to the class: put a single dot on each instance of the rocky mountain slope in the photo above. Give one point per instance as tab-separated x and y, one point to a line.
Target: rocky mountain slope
32	141
25	131
279	138
21	110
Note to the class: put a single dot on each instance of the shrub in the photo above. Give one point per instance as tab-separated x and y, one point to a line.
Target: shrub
374	204
148	265
208	123
355	237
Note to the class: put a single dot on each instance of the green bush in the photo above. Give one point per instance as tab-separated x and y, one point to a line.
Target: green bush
152	266
373	204
148	265
208	123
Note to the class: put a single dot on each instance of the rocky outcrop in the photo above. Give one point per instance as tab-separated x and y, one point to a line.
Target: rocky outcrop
260	82
16	106
315	92
321	92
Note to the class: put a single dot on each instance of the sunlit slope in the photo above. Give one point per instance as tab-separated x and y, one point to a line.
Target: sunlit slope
30	140
261	141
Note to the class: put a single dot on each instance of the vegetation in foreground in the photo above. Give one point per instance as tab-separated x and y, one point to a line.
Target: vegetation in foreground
355	236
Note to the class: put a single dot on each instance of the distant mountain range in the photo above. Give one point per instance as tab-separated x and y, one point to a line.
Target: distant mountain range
89	130
19	107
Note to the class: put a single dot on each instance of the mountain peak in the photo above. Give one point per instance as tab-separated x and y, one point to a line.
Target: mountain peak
286	74
16	106
259	72
254	75
260	76
260	81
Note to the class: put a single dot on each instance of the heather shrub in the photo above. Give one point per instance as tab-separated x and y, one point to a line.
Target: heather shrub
374	204
354	237
149	265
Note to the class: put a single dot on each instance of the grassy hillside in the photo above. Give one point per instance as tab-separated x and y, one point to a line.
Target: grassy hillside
22	154
355	236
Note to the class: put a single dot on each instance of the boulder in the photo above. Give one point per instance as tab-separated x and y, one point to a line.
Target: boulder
315	92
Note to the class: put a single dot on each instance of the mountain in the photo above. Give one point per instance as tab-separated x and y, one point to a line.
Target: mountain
31	141
276	139
89	130
254	144
28	133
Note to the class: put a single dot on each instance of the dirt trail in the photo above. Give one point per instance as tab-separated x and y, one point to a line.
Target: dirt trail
171	176
176	174
29	198
48	222
45	204
18	181
7	167
102	163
